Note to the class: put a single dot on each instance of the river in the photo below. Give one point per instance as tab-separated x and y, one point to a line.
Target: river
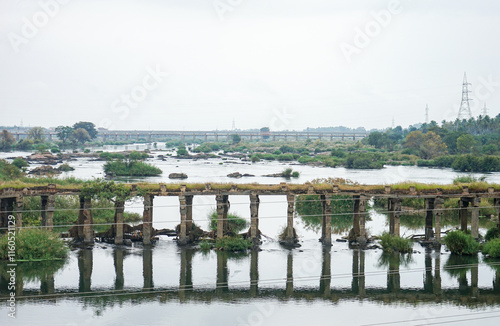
166	285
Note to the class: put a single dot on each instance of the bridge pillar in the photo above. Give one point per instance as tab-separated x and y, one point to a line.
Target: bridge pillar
85	231
393	276
254	273
118	225
358	232
438	212
429	215
290	239
222	210
186	209
104	136
496	203
296	136
394	216
216	137
6	209
147	219
343	136
19	211
222	273
437	274
205	137
47	212
474	227
17	136
254	218
147	268
137	136
116	137
47	284
326	222
126	136
289	274
85	266
251	137
462	213
118	263
185	278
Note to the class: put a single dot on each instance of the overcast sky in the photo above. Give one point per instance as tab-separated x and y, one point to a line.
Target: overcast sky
286	64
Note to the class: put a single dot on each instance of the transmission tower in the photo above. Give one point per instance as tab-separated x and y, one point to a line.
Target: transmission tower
426	113
484	111
464	112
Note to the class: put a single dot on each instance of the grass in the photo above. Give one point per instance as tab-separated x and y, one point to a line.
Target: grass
391	243
461	243
205	245
492	234
132	168
34	244
233	244
235	222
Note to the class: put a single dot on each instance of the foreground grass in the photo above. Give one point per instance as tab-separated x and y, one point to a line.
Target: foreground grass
34	244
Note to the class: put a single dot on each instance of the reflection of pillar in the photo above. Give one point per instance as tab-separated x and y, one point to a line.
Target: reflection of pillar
429	215
85	265
254	273
393	277
185	278
147	219
496	282
474	227
118	262
428	279
355	271
119	209
438	206
47	284
289	274
254	217
147	268
326	224
326	273
394	216
474	272
437	273
361	273
222	273
47	212
462	213
19	211
222	210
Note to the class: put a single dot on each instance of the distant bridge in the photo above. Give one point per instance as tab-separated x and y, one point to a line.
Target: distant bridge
151	135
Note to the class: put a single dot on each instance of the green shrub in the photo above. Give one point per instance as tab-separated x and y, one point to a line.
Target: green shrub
461	243
65	167
235	223
492	248
492	234
391	243
233	244
363	161
20	163
467	179
133	168
289	173
34	244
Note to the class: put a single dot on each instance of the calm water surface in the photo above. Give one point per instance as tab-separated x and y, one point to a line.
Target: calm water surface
165	285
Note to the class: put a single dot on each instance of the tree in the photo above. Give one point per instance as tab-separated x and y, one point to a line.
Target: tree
80	135
432	146
6	140
64	133
465	143
414	139
36	134
88	126
235	138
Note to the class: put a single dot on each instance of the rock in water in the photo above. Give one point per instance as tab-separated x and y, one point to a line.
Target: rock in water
177	176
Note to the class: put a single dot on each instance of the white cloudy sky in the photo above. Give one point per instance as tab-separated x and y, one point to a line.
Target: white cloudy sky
262	63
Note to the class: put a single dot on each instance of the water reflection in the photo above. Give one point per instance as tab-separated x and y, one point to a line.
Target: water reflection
463	269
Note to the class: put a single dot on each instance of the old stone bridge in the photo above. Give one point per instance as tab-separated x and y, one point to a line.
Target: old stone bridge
468	199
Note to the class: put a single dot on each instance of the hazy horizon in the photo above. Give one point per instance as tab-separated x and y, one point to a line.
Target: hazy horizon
200	65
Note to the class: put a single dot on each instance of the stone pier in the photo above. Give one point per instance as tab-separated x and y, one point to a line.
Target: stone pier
222	210
474	226
19	211
85	230
147	219
290	239
438	213
254	219
394	207
326	221
118	221
462	213
47	212
358	231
